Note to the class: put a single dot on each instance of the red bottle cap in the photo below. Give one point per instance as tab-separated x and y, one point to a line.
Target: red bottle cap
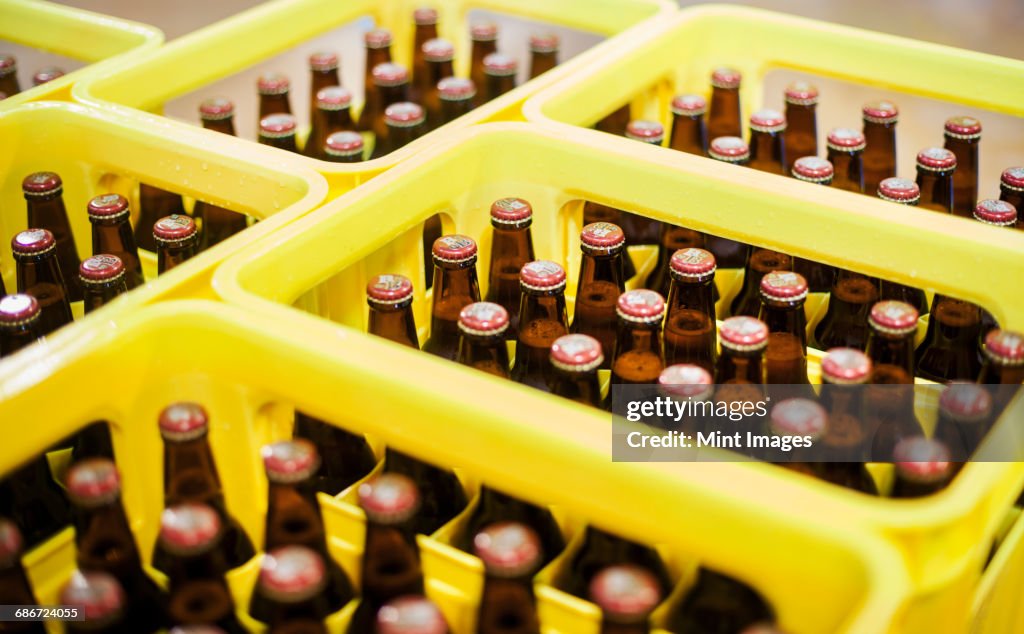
456	89
500	65
438	50
323	61
685	380
689	105
389	498
647	131
98	594
277	126
390	74
767	120
801	93
289	461
881	111
511	211
41	184
626	593
542	276
272	84
183	421
189	528
483	319
1005	347
744	333
410	615
813	170
216	108
846	140
730	149
846	366
725	78
899	190
33	242
508	549
1013	178
404	114
46	75
333	98
389	289
544	43
292	574
602	237
18	309
963	127
965	402
101	268
454	249
484	32
893	317
377	38
108	206
784	286
174	229
576	353
10	542
425	16
344	144
7	65
93	482
692	263
922	460
996	212
936	159
799	417
641	306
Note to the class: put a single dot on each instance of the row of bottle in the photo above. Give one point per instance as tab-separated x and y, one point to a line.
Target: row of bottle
9	85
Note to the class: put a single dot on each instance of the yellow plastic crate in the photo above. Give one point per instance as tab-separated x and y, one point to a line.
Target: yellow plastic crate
251	370
239	42
97	152
943	540
997	606
103	42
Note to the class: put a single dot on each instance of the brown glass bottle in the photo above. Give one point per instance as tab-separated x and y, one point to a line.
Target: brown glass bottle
935	169
102	599
411	614
273	89
15	588
1004	365
846	153
176	240
847	438
965	416
543	53
783	294
343	147
601	281
290	589
950	349
802	122
740	373
638	358
332	113
278	130
218	114
499	75
602	549
347	457
543	320
616	122
378	51
626	595
575	360
923	467
40	275
103	279
390	86
845	324
819	171
46	74
760	262
1011	190
190	475
689	131
640	229
455	287
390	301
891	349
962	136
512	554
729	254
323	73
485	42
9	76
673	240
456	98
154	204
511	250
19	322
44	197
32	498
767	146
425	19
718	603
880	118
112	233
997	213
724	117
482	327
405	123
437	59
441	495
903	192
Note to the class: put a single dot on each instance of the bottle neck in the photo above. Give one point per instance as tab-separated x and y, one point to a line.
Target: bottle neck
190	473
542	320
336	121
224	126
423	34
541	62
740	367
601	269
14	338
170	256
374	57
801	120
395	323
724	113
848	169
399	137
48	213
936	190
274	104
105	542
42	278
451	110
115	237
435	72
454	288
392	94
760	262
510	250
690	294
638	353
689	134
320	79
286	143
98	295
766	152
294	518
488	354
480	50
785	318
892	357
582	387
498	85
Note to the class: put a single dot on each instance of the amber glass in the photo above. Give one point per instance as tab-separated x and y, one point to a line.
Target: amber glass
574	360
9	75
616	122
786	355
113	234
890	410
965	179
596	212
801	132
425	30
487	353
481	49
879	157
32	498
672	239
385	96
327	119
345	457
48	212
394	322
847	439
397	137
455	286
99	294
543	320
740	367
172	254
431	95
390	566
1012	192
689	131
496	506
204	602
601	549
936	189
759	263
219	223
14	337
154	204
849	170
452	109
320	77
717	604
442	496
845	324
496	85
274	104
511	249
724	113
768	152
40	275
639	358
690	332
950	349
542	61
601	281
376	54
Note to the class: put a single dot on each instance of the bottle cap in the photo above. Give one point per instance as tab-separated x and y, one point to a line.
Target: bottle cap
767	120
625	593
333	98
438	50
273	84
344	144
277	126
484	32
323	61
174	229
288	461
98	594
576	353
500	65
1012	178
893	318
514	212
602	237
410	615
813	169
46	75
33	242
291	574
183	421
18	309
744	334
936	159
725	77
216	108
404	114
41	184
425	16
730	149
692	263
881	111
483	319
7	65
922	460
784	286
102	268
963	127
899	190
508	549
454	249
801	93
965	402
996	212
685	380
108	206
456	89
377	38
93	482
689	105
1005	347
647	131
641	306
846	140
389	289
189	528
390	74
799	417
542	276
544	43
845	366
10	542
389	498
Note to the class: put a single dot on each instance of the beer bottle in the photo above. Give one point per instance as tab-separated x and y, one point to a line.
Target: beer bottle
880	119
278	130
904	192
1003	366
596	212
950	349
190	475
673	239
293	512
176	241
390	300
495	508
390	85
760	262
103	603
543	53
426	30
543	320
30	496
332	113
602	549
485	42
638	357
218	114
844	372
19	322
14	585
437	56
729	254
923	467
686	382
290	591
46	74
690	330
39	275
405	123
639	229
891	349
616	122
601	281
154	204
845	324
512	554
767	149
440	494
802	119
575	360
9	75
963	134
455	96
347	457
935	168
626	595
511	250
783	294
410	614
499	75
103	279
965	416
812	169
343	147
724	115
323	73
718	603
1011	190
44	197
105	542
846	153
689	131
482	341
378	51
273	89
112	233
455	287
740	370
